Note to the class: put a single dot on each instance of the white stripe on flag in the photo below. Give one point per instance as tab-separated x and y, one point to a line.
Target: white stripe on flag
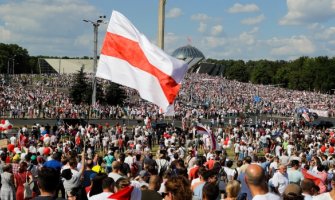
128	58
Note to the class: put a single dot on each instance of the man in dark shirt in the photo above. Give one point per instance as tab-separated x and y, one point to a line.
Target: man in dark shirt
154	185
87	174
48	179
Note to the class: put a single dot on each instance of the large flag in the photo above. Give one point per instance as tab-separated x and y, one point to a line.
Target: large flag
129	58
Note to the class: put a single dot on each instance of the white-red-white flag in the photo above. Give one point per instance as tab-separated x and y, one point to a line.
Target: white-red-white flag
129	58
203	130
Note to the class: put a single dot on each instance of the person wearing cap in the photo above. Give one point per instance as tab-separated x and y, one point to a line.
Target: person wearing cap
328	195
256	181
293	192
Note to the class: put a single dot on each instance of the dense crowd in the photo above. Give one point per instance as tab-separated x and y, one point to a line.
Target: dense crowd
280	159
201	95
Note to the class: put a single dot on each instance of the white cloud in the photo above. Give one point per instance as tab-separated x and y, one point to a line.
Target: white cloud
216	30
46	28
247	38
253	20
202	27
200	17
326	34
5	35
293	46
213	42
308	11
83	40
238	8
174	13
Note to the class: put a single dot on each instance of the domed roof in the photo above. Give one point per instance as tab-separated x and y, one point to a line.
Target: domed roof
187	52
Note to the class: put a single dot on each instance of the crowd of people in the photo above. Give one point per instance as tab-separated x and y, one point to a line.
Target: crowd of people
201	95
280	158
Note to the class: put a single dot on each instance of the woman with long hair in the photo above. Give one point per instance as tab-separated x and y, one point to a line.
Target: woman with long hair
20	179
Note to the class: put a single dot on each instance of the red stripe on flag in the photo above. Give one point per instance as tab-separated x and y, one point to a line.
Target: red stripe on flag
130	51
199	128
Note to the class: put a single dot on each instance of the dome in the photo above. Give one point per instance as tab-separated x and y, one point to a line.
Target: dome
187	52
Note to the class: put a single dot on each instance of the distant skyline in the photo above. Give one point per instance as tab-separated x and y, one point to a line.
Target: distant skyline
221	29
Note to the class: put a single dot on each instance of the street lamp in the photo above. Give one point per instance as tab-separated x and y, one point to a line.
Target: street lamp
95	32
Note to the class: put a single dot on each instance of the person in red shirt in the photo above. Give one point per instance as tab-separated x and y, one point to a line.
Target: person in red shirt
120	144
331	149
193	173
210	163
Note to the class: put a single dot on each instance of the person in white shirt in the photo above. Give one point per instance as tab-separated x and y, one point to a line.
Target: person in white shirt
115	174
280	179
107	189
13	140
256	181
129	159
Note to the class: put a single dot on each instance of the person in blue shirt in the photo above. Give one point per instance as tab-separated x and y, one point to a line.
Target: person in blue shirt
55	163
109	159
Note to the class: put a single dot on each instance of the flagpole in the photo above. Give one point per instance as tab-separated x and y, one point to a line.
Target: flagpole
161	21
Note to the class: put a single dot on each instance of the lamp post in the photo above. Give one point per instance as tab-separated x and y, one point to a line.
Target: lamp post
95	42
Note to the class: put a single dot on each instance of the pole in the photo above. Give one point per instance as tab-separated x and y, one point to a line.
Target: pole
161	18
94	83
13	65
8	67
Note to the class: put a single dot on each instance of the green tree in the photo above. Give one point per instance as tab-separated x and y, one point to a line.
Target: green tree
237	71
114	94
81	90
14	59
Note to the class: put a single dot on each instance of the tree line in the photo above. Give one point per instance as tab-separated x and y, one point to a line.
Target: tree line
304	73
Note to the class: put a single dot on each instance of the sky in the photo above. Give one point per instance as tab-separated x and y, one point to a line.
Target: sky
221	29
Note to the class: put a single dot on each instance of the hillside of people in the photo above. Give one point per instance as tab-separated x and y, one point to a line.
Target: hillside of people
213	155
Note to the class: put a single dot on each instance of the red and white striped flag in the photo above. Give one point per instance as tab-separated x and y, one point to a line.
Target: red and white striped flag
128	58
203	130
